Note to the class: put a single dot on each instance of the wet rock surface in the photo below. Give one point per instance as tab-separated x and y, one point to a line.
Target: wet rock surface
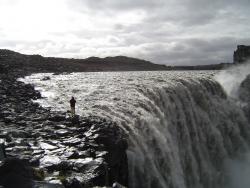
78	152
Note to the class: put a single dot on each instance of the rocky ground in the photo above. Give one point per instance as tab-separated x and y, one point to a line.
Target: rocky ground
74	152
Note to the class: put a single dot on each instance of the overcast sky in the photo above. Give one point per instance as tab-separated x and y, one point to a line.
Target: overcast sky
176	32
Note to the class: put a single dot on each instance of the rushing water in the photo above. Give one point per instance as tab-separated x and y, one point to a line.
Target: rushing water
182	126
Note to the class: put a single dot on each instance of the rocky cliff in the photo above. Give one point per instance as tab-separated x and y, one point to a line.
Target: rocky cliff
242	54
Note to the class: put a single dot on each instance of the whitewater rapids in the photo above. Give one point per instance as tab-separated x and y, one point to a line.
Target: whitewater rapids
182	126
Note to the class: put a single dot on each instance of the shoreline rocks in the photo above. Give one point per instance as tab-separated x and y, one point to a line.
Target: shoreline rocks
78	152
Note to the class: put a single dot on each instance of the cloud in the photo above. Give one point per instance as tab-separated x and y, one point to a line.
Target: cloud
114	6
191	51
164	31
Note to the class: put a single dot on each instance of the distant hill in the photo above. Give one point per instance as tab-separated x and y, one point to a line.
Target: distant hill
10	60
17	62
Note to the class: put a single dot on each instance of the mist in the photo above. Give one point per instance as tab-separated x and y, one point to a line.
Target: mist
231	78
237	170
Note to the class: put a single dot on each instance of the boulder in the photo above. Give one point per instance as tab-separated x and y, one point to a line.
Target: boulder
62	132
45	78
50	162
15	173
2	150
57	118
75	120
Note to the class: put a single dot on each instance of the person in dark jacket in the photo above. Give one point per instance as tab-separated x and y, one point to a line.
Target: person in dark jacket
72	105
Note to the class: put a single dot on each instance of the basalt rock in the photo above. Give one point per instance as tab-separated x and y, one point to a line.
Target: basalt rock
79	151
15	173
242	54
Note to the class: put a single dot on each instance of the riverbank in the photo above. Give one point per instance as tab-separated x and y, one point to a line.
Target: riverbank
83	151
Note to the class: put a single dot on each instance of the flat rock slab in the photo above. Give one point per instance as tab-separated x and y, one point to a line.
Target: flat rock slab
46	146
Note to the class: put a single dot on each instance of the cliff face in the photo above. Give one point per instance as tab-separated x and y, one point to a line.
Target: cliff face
242	54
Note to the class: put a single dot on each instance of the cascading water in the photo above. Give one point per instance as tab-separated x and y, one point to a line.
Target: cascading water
181	125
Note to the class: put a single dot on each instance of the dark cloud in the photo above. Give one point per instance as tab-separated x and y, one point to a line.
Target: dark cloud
186	13
193	51
163	31
114	5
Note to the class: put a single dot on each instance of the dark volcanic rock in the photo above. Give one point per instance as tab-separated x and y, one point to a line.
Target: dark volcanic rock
79	151
242	54
45	78
57	118
15	173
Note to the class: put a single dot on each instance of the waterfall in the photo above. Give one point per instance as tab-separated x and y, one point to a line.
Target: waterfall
193	128
183	127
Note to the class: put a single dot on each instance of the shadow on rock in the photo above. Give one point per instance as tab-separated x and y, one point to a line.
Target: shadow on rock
15	173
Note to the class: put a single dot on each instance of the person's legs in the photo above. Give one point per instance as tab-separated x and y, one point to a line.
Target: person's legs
72	111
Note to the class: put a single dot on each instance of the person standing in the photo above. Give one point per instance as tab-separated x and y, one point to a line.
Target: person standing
72	105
